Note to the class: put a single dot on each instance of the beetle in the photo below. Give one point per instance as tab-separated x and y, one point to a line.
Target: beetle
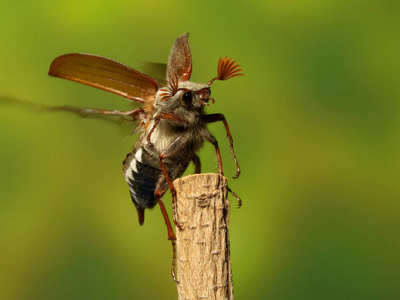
171	120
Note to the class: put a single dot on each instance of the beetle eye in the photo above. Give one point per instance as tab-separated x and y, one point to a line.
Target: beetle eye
187	97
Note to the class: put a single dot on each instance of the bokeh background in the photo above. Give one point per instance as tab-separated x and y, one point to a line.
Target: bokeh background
315	120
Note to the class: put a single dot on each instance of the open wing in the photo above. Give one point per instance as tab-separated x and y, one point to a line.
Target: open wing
105	74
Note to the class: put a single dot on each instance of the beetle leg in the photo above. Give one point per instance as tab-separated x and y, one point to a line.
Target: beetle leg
236	196
220	117
171	188
158	193
151	132
165	116
214	141
171	236
135	113
172	148
197	164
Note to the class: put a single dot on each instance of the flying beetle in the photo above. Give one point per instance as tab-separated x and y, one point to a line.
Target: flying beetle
171	120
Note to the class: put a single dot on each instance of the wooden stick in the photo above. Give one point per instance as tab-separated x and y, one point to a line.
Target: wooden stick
203	255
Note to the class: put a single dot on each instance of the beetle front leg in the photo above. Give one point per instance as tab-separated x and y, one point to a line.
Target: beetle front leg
165	116
214	141
220	117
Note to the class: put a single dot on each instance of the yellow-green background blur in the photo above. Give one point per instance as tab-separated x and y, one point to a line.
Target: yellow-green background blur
316	125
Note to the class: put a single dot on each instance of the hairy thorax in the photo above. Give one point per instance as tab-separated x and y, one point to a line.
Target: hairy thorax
190	138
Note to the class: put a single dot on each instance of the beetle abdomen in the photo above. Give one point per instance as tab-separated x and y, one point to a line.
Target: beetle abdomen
142	177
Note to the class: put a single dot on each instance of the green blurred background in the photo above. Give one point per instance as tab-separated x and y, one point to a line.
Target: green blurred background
316	127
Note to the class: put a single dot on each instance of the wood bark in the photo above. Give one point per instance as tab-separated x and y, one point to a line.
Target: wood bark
203	254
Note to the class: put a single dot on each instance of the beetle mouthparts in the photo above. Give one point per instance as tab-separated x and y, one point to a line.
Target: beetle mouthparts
204	103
